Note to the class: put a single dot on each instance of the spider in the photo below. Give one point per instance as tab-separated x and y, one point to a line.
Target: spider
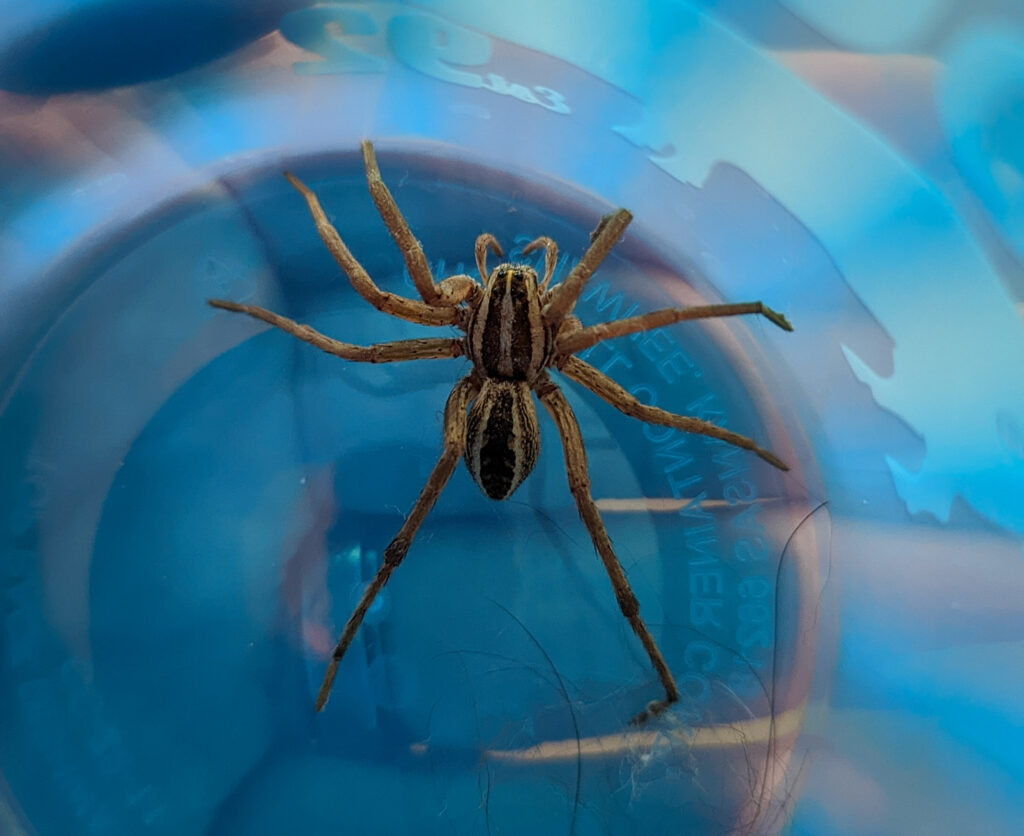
515	329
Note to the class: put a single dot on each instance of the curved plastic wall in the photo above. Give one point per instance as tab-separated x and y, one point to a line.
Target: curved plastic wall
193	503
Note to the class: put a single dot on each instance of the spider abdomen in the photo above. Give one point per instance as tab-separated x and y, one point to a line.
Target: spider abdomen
502	437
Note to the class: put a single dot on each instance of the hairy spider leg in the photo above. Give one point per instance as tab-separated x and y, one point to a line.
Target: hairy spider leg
408	245
449	292
391	303
594	334
563	296
579	485
606	388
454	447
424	348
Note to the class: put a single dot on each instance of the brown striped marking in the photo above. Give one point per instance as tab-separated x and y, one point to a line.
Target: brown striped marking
506	335
502	437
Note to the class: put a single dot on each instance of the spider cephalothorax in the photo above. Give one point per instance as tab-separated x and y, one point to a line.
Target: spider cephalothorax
505	332
509	342
516	328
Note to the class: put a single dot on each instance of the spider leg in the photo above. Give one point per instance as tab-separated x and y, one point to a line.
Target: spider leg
454	446
412	250
606	388
563	296
658	319
391	303
579	484
392	352
458	289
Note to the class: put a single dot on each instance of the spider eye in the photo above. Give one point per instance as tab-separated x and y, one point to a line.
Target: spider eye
517	287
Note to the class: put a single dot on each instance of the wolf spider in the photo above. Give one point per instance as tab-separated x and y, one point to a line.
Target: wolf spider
516	328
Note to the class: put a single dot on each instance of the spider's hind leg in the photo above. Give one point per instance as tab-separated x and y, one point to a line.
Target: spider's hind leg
454	446
604	387
579	484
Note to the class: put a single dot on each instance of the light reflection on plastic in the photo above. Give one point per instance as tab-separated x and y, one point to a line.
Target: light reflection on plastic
872	24
982	111
899	244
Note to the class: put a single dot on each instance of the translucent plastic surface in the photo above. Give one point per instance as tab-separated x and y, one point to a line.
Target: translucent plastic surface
194	503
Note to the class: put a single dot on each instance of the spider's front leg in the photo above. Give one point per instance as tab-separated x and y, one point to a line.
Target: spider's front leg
454	446
410	247
447	293
579	484
392	303
562	298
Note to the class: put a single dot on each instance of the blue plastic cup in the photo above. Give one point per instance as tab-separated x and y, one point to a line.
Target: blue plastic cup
195	502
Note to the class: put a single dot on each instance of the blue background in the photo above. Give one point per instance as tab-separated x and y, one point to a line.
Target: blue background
191	503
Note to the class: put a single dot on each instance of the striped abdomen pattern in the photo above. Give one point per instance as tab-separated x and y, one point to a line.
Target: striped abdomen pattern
502	437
